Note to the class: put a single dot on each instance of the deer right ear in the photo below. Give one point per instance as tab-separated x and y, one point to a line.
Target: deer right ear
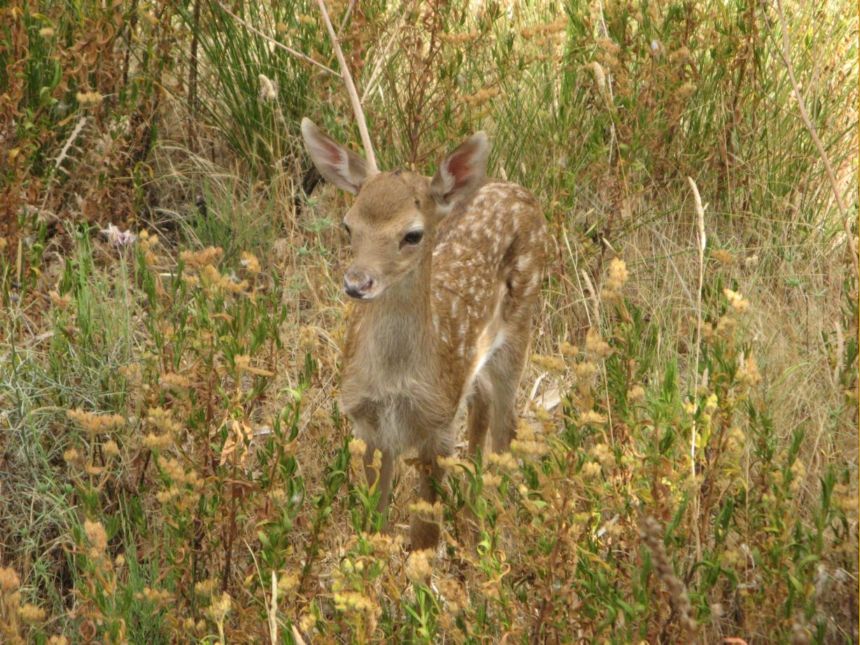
337	164
462	171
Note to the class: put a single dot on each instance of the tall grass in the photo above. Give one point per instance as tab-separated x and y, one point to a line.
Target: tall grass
173	463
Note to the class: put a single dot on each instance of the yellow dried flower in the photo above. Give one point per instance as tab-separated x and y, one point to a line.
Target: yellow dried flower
685	91
736	300
307	623
156	596
585	371
452	462
288	582
220	607
503	460
86	99
454	595
198	259
163	420
95	423
680	55
591	469
111	449
602	453
490	479
243	364
568	350
595	345
278	497
608	45
636	393
711	403
213	280
353	601
844	500
9	580
174	381
725	326
550	363
748	372
30	613
618	274
268	92
426	511
154	441
60	302
599	76
250	262
96	535
165	496
735	440
590	416
723	257
308	337
206	587
418	567
357	448
526	447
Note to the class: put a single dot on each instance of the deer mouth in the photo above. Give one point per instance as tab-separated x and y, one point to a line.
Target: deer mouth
364	294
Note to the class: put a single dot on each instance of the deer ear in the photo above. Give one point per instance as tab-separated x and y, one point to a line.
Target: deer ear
337	164
462	171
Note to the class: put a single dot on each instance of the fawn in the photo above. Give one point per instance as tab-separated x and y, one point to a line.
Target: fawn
447	272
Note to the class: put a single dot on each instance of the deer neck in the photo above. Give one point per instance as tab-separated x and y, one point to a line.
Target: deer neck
399	325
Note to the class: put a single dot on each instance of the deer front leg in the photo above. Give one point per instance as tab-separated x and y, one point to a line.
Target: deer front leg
479	417
425	532
379	473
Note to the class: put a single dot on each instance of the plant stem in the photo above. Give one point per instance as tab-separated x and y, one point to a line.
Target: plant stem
350	89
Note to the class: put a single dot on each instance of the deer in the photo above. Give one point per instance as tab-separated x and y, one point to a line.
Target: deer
445	276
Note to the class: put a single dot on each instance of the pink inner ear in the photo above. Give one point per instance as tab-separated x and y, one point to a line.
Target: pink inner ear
458	167
332	152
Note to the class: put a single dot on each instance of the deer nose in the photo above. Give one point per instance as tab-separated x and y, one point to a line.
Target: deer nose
357	283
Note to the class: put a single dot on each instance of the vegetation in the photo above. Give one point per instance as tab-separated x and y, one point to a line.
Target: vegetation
173	463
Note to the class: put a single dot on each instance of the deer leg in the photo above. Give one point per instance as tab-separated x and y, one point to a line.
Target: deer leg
504	370
380	475
425	532
479	416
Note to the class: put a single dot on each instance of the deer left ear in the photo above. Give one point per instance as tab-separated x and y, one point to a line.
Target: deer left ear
461	172
337	164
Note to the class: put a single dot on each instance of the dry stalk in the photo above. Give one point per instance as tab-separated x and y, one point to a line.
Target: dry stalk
703	241
700	220
72	137
350	89
273	611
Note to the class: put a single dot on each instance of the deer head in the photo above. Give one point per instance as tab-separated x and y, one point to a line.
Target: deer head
392	223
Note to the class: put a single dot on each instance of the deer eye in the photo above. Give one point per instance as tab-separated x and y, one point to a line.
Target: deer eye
347	229
412	238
